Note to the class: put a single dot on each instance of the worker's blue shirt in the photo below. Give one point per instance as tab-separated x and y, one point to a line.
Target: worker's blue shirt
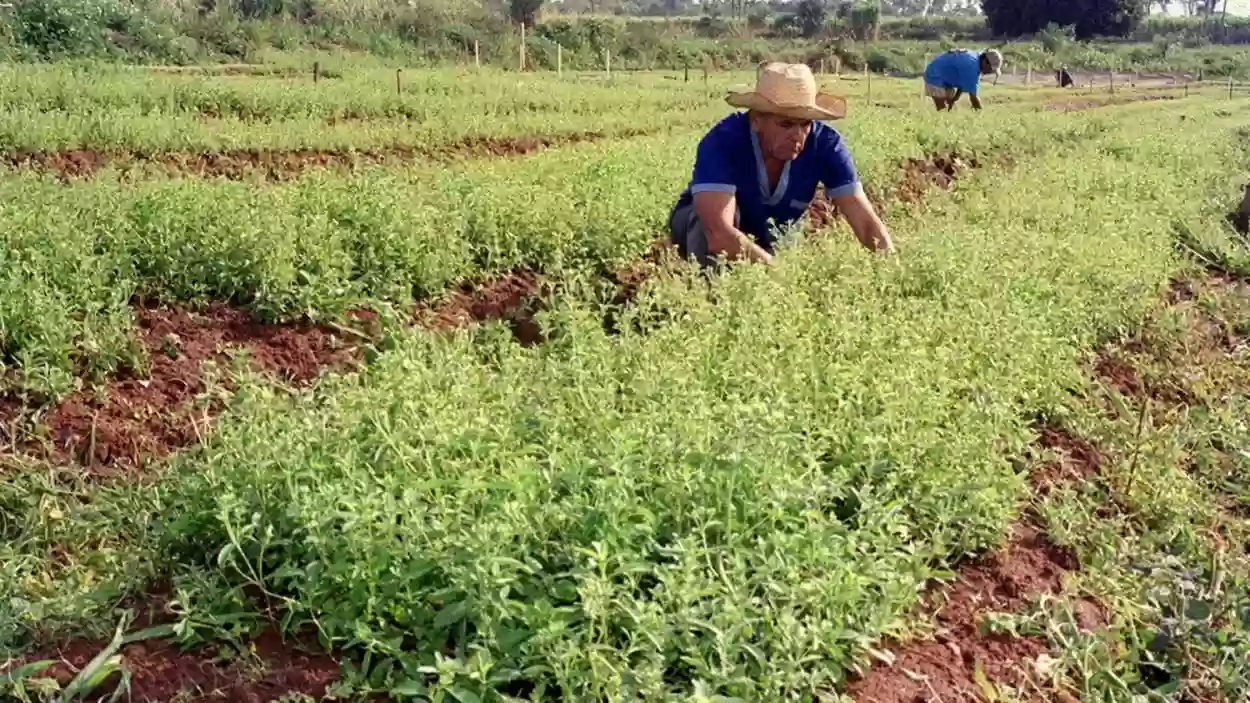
955	69
729	160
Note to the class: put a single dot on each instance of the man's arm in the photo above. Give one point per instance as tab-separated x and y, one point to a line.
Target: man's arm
844	190
716	213
864	221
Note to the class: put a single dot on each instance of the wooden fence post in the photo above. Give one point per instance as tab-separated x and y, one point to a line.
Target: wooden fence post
1230	86
607	61
316	71
1111	79
521	50
477	55
398	89
559	61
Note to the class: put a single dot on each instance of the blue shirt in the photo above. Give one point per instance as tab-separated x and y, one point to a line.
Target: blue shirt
728	160
959	68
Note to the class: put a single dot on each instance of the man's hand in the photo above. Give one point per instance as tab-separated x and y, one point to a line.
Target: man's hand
716	213
864	222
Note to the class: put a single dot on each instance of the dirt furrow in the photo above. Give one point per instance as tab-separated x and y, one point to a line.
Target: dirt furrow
147	414
279	164
513	298
270	668
963	661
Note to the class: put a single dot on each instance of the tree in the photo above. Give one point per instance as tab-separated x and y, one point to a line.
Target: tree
810	15
524	11
1090	17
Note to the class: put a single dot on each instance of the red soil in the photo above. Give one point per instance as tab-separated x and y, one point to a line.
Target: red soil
514	298
1078	459
159	672
918	175
943	669
276	164
629	280
136	418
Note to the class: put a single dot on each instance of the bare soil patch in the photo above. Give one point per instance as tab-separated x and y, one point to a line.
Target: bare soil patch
940	170
514	298
1174	370
916	177
160	671
1078	459
944	668
629	280
136	416
276	164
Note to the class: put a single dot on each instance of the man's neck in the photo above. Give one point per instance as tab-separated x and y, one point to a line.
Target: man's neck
773	167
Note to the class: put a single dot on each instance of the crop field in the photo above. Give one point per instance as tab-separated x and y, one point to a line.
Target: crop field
384	387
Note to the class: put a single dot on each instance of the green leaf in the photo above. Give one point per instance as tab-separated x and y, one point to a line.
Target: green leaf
464	695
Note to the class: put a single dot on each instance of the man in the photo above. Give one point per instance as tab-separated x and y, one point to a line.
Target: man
959	71
1065	78
763	165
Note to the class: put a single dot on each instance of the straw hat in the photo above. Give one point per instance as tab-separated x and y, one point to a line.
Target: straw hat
789	89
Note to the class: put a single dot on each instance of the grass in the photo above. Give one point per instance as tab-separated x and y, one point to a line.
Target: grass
737	497
97	107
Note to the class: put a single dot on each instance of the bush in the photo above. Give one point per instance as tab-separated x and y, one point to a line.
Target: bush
54	28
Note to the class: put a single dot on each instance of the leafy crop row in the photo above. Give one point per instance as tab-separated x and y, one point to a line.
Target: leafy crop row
424	94
327	241
736	501
47	108
50	108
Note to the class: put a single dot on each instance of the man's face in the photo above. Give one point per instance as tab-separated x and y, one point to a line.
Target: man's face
781	137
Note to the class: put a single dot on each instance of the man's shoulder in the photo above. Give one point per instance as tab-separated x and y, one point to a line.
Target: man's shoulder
956	56
731	127
825	135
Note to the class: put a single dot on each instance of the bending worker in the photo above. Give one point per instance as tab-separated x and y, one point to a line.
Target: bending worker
764	164
949	75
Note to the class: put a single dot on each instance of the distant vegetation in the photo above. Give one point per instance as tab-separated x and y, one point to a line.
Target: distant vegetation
734	34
